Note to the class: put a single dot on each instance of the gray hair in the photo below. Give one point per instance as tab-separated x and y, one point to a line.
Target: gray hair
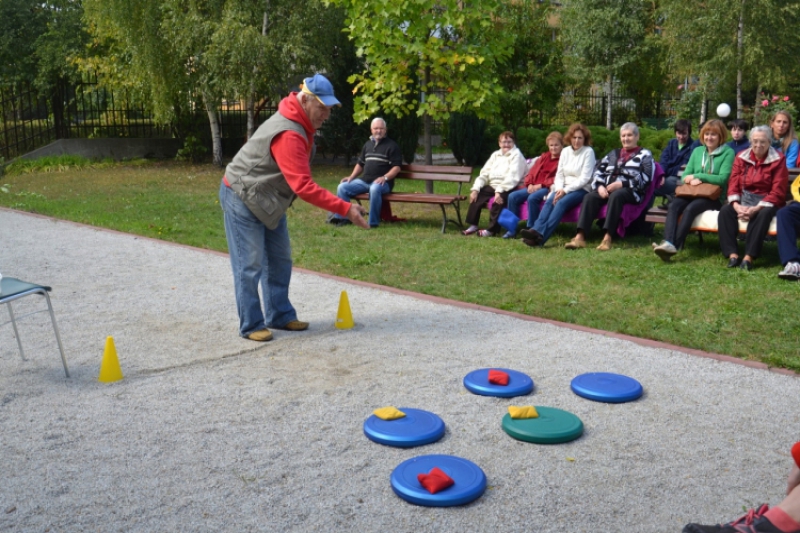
630	126
766	130
376	119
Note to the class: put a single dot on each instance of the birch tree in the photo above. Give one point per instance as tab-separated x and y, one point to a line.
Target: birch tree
603	37
188	54
751	41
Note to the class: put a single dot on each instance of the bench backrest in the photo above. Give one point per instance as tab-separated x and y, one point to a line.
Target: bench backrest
455	174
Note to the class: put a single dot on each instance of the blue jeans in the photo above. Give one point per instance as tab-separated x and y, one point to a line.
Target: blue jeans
516	198
788	228
258	254
668	187
551	215
348	190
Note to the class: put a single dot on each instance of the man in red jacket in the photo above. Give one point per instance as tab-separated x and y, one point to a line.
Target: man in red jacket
259	185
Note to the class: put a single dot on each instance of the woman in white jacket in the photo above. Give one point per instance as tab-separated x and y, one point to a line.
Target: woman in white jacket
498	178
572	182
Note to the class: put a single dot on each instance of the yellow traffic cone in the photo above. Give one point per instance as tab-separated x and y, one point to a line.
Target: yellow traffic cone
109	368
344	318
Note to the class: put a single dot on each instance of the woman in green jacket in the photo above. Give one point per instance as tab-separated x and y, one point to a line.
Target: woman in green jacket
710	163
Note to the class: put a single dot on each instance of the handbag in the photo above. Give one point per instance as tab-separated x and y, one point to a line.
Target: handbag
750	199
703	190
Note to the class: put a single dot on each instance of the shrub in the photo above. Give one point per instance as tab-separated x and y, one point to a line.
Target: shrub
193	150
468	139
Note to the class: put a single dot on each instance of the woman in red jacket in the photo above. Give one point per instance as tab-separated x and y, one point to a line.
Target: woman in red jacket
537	183
756	190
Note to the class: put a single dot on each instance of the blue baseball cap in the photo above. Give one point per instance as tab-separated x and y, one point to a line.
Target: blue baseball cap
319	86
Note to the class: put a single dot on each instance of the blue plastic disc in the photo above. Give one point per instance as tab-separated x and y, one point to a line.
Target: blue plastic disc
469	481
552	426
477	382
418	427
606	387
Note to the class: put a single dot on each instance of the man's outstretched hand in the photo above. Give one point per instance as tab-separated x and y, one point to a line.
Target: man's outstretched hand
356	216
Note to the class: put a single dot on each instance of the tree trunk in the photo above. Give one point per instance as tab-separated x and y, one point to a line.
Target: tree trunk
426	138
739	52
216	136
609	95
704	108
251	113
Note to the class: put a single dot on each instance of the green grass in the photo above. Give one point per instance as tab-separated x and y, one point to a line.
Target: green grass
693	302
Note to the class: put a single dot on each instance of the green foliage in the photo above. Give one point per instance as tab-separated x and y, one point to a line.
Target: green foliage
55	163
340	135
451	47
604	37
688	106
533	78
20	21
466	138
193	150
703	41
531	141
177	56
405	132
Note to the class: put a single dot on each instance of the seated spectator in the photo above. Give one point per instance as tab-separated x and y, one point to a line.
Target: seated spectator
783	518
537	182
788	230
621	178
675	155
739	129
784	137
378	164
756	190
498	178
711	163
575	168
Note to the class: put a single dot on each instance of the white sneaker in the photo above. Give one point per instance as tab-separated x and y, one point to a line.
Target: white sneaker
665	251
791	271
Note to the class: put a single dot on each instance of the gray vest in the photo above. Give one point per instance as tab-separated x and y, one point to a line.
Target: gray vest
255	177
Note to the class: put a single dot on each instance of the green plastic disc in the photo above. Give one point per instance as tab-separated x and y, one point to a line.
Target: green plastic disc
552	426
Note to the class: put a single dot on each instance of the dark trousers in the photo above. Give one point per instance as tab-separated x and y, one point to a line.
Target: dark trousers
676	231
592	203
474	211
757	228
788	228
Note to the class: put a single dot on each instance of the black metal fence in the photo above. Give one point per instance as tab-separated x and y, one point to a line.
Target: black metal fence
590	107
30	119
26	120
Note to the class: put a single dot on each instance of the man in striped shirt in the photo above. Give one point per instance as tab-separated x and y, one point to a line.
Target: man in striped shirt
377	166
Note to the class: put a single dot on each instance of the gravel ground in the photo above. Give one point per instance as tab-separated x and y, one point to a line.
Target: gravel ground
210	432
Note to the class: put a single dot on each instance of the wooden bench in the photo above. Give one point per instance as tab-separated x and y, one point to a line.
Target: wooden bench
435	173
660	215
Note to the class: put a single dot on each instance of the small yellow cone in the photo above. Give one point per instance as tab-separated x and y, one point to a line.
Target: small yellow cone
344	318
109	368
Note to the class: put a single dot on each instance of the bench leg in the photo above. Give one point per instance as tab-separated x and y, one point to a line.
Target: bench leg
16	331
58	336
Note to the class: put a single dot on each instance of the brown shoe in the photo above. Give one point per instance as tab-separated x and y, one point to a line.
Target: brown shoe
574	244
263	335
604	246
294	325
